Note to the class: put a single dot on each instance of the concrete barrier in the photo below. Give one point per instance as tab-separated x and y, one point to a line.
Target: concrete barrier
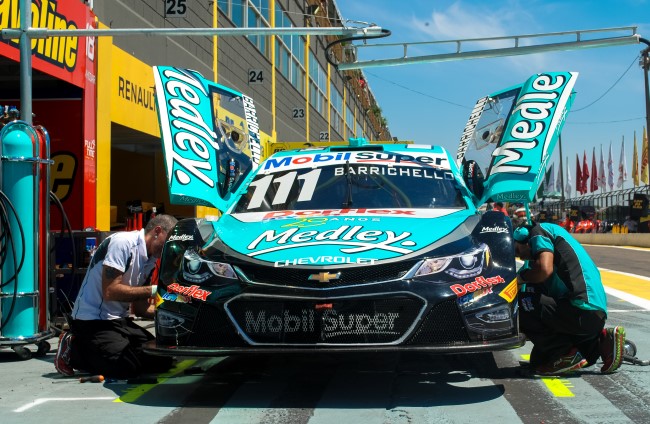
630	239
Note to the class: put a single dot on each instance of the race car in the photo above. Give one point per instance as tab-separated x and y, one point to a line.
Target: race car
362	247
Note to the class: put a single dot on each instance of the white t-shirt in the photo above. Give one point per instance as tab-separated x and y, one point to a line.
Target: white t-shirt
124	251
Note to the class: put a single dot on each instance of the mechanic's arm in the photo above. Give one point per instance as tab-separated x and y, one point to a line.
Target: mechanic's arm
541	268
113	289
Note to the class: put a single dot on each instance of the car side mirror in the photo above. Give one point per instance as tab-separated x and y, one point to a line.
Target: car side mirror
473	177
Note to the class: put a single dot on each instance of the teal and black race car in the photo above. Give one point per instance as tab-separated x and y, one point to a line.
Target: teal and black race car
345	248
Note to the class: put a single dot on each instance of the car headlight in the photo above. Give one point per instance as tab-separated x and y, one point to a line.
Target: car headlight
197	269
467	264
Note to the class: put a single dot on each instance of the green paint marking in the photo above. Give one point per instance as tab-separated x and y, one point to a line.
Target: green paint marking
133	393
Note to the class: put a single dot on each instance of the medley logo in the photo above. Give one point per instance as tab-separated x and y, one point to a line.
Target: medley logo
535	119
189	141
355	237
494	229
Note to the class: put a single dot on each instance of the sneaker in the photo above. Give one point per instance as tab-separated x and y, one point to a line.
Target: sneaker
612	346
572	361
62	357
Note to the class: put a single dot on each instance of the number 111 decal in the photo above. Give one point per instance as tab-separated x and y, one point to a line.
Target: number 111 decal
286	181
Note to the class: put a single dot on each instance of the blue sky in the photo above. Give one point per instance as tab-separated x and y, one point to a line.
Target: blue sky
430	103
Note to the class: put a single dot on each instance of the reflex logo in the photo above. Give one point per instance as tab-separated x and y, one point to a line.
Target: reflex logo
478	284
192	291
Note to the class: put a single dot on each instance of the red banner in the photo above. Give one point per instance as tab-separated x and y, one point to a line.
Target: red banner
61	57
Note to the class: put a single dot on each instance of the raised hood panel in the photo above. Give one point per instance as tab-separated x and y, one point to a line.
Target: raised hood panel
210	137
512	134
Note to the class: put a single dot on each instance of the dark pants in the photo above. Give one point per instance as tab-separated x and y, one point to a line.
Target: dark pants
555	326
113	348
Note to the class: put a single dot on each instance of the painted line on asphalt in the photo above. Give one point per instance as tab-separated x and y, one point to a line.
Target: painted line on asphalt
631	288
41	401
558	387
133	393
640	249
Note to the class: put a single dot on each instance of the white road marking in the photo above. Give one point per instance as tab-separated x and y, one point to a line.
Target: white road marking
43	400
641	277
635	300
640	249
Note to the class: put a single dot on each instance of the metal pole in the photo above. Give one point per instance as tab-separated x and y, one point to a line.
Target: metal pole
25	62
559	142
646	66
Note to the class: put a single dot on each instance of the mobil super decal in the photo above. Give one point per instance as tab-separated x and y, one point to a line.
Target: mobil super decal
387	158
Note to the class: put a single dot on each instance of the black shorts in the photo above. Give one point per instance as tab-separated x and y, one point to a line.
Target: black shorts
113	348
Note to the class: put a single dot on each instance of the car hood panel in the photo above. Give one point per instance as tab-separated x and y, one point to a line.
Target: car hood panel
359	237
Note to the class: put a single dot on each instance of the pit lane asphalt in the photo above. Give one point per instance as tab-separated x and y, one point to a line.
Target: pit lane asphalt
390	388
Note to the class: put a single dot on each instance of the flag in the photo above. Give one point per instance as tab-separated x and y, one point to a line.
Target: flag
644	158
610	168
602	179
550	181
635	164
585	172
594	172
567	187
622	167
558	181
578	175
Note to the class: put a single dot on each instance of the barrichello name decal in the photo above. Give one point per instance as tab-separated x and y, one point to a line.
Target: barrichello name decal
429	173
192	291
253	130
470	126
478	284
333	323
356	237
536	116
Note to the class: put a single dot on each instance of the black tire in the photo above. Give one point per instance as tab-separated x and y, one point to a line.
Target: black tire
22	352
43	348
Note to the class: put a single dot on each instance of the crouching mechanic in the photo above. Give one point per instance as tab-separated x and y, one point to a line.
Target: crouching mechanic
562	303
103	339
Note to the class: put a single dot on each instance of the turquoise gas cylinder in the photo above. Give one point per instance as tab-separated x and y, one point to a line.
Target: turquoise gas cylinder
19	141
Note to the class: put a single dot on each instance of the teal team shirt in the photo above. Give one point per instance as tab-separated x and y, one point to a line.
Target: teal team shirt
575	275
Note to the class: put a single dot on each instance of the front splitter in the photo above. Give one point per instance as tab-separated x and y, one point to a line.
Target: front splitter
153	348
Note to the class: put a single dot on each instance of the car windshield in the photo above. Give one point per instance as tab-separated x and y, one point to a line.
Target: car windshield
352	186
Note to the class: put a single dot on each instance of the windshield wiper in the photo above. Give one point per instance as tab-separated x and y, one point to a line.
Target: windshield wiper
348	177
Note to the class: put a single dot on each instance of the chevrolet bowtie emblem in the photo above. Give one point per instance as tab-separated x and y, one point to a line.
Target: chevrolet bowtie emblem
325	277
